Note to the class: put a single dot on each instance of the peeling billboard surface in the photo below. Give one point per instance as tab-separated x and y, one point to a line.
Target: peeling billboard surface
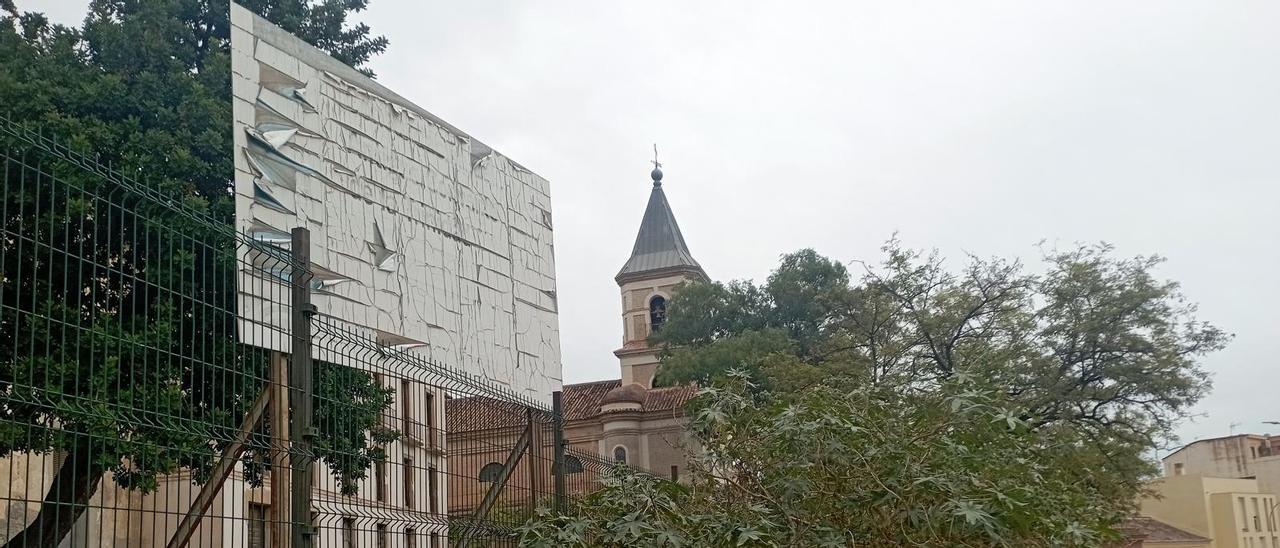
423	237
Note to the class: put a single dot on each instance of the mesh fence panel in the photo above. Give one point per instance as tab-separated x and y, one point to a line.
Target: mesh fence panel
132	414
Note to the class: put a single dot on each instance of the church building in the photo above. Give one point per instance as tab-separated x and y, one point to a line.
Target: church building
628	419
622	420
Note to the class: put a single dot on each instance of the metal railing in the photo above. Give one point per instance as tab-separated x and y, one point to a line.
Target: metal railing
133	415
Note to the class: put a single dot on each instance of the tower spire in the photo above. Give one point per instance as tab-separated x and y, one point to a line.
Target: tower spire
659	247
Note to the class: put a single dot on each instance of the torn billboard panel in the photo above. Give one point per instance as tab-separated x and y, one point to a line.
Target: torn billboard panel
421	235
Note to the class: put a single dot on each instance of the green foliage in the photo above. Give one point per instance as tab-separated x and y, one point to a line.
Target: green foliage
985	406
122	316
875	466
1095	340
347	406
748	350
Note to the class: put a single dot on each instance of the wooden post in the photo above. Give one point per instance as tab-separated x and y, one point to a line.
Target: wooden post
491	496
281	471
226	463
536	468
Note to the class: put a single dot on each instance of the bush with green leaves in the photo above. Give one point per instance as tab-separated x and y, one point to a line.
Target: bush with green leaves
874	466
913	406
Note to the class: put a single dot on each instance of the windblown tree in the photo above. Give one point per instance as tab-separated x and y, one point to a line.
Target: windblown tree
118	305
1093	340
875	406
871	466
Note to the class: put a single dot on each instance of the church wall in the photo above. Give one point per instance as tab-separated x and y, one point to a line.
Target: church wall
667	445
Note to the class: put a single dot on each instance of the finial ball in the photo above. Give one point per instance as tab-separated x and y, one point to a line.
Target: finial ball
656	174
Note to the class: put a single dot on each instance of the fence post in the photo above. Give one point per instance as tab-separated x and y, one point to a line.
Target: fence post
557	434
535	446
300	390
281	469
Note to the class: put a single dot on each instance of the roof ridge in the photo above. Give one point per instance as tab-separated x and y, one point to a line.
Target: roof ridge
591	382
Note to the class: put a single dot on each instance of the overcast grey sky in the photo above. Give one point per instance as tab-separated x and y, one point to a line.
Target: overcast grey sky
967	126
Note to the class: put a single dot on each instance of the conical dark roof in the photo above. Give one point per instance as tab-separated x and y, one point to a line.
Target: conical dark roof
660	246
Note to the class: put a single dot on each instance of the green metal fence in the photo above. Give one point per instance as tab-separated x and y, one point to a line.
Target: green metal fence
131	415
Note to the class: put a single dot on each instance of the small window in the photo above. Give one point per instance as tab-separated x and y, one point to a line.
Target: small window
490	472
348	533
430	402
409	492
657	313
571	466
433	502
675	473
410	538
259	527
382	535
620	454
380	479
1177	469
406	402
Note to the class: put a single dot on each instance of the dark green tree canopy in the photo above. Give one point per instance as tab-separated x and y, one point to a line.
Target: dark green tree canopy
1084	364
1092	339
101	306
145	85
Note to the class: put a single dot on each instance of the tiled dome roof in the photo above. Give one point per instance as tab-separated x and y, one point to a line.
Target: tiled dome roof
631	393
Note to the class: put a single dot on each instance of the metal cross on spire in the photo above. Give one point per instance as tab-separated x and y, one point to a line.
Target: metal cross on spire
657	168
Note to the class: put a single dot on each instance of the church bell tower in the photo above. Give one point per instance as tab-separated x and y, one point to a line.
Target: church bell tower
660	260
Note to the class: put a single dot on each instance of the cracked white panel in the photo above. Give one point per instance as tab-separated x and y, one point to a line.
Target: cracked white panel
471	270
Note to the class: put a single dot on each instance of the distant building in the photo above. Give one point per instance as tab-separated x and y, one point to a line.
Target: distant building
1239	456
1229	512
626	419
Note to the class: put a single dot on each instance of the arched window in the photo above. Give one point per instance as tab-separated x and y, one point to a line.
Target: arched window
620	454
571	466
657	313
490	472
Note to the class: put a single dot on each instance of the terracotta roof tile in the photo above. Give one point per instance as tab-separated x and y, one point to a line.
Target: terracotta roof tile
581	401
1154	530
670	398
481	413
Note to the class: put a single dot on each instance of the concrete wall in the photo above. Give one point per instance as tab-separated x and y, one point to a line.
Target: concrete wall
1181	502
422	235
1178	544
1243	456
1229	511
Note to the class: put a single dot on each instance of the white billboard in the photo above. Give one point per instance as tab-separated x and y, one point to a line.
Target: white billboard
421	235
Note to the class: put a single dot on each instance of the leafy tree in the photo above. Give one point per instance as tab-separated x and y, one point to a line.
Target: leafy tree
877	466
1095	340
118	304
1093	356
